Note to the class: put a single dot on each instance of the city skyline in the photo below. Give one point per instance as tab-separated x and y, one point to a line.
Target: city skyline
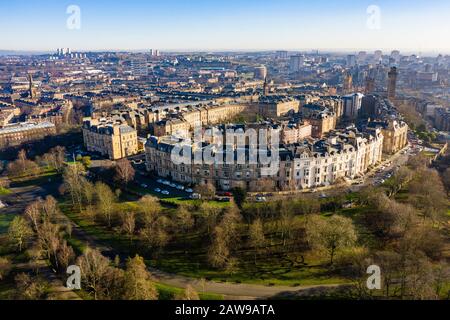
412	26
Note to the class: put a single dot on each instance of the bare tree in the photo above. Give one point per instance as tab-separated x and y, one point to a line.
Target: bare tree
257	239
94	271
5	267
129	224
219	252
124	172
138	284
105	201
19	232
331	234
74	182
189	294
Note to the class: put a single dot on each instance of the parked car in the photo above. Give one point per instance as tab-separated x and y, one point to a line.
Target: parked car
166	183
261	199
165	192
144	186
160	181
189	190
196	196
180	187
158	190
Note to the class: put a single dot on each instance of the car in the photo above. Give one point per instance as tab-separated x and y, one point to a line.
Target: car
157	190
189	190
165	192
323	196
173	185
196	196
180	187
166	183
160	181
144	186
261	199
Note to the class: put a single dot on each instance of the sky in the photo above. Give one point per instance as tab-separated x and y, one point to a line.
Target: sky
226	25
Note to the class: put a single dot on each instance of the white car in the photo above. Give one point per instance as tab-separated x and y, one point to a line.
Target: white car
160	181
165	192
157	190
180	187
189	190
166	183
144	186
261	199
173	185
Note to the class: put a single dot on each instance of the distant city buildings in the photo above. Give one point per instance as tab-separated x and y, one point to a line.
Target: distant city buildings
19	133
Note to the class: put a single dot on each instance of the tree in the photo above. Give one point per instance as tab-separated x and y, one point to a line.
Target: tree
189	294
210	214
19	232
5	267
149	208
155	234
137	281
331	234
74	182
50	208
230	222
86	161
399	180
257	239
129	224
49	241
184	219
22	166
33	212
427	193
105	201
30	288
240	196
446	180
219	252
65	255
94	271
207	191
124	172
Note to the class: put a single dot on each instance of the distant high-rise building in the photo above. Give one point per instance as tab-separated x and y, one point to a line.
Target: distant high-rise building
32	91
392	83
378	55
348	83
362	56
296	63
260	72
370	85
281	54
154	53
396	56
352	105
266	88
351	60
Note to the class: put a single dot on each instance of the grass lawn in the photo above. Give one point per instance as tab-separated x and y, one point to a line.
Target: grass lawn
169	293
5	220
4	191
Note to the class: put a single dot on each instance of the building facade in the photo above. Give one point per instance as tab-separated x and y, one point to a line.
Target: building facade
309	164
110	138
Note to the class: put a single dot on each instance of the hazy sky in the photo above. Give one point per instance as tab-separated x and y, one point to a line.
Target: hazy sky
413	25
